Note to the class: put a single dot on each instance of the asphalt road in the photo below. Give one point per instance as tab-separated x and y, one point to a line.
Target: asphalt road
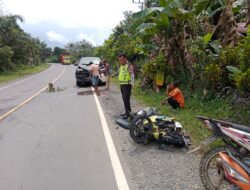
55	141
61	141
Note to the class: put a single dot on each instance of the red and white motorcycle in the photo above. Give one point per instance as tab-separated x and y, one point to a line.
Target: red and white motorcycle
227	166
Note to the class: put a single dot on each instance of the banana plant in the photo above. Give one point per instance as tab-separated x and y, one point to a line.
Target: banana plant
223	16
168	23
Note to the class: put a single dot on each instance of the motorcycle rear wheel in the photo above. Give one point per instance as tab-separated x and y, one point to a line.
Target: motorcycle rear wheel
141	128
209	173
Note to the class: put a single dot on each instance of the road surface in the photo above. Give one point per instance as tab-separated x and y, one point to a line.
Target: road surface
53	141
62	140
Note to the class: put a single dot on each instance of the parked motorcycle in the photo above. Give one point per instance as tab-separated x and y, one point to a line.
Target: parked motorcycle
227	166
148	125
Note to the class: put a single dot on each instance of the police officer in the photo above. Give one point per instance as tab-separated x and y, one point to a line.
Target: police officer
126	80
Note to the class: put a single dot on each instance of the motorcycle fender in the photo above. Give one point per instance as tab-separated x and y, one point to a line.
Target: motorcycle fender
226	158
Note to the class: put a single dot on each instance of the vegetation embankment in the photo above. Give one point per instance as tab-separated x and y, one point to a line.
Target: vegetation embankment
18	48
21	71
202	44
20	54
196	105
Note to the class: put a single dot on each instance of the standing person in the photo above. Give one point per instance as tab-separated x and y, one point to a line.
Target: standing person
174	97
126	79
95	72
107	73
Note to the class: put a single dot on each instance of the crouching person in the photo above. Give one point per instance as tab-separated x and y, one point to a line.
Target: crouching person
174	97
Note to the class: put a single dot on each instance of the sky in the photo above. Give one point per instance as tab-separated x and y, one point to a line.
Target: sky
58	22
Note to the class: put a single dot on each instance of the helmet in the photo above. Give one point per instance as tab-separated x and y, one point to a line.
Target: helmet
147	111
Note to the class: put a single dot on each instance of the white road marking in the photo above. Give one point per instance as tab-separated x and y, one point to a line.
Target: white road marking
30	98
116	164
20	81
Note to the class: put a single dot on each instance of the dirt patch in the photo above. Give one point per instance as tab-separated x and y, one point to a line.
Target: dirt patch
103	92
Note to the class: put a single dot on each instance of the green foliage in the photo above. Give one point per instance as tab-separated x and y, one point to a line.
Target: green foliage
177	37
229	56
80	49
53	59
237	62
179	34
244	52
242	77
123	39
149	69
233	69
20	71
212	75
18	47
242	81
207	38
230	68
160	62
6	54
154	65
205	53
58	51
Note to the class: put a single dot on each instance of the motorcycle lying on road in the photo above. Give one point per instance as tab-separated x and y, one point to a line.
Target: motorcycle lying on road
227	166
147	125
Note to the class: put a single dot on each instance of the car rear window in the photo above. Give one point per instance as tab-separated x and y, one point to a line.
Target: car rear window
86	60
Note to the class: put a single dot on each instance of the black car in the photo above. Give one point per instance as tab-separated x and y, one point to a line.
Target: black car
82	73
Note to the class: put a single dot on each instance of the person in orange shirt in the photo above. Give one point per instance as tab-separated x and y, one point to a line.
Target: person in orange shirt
174	97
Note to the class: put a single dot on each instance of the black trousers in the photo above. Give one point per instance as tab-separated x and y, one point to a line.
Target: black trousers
126	93
172	102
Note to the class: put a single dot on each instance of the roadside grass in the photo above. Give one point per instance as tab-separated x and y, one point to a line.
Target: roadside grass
22	71
195	105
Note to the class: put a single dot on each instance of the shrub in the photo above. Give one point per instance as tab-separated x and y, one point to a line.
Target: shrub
6	54
212	75
242	81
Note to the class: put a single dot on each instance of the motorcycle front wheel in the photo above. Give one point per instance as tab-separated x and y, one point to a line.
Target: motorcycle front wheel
211	176
141	128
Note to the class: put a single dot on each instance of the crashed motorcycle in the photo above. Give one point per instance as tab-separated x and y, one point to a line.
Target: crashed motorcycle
147	125
227	166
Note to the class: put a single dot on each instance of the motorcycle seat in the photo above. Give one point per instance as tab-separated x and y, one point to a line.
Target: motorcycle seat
233	125
241	127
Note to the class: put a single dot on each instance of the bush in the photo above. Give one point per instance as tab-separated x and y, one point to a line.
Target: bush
242	81
212	75
244	53
159	63
6	54
52	59
241	73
